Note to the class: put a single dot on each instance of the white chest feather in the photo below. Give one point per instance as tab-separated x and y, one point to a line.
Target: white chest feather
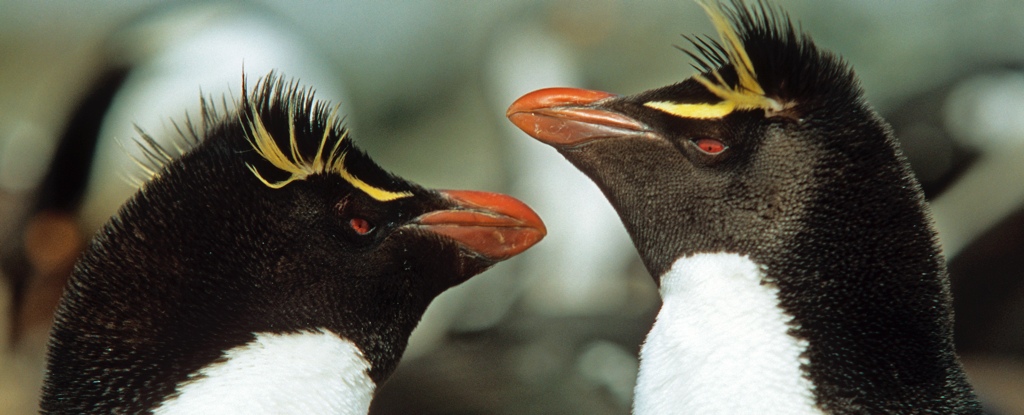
303	373
719	345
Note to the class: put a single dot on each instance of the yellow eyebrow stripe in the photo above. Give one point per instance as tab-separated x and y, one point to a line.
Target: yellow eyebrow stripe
694	111
374	192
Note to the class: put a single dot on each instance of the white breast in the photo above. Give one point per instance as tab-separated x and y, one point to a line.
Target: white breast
303	373
719	345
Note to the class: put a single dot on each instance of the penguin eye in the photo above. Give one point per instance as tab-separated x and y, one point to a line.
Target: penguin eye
361	226
709	145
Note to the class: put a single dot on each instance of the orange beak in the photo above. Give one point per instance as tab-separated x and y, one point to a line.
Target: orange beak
492	225
564	117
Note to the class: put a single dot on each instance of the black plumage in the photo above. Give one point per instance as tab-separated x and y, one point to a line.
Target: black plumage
773	153
273	222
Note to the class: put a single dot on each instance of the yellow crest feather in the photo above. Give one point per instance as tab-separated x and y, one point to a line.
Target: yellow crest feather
748	93
298	167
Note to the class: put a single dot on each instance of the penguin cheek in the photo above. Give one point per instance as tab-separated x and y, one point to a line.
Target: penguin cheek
423	259
454	264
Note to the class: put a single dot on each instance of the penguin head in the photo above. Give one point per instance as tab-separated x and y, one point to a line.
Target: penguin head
298	229
323	198
331	203
728	159
272	222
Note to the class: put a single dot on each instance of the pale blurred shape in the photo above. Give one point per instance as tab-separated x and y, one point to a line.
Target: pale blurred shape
580	268
987	114
24	156
611	366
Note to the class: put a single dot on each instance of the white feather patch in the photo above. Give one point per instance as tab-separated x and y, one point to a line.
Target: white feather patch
304	373
720	345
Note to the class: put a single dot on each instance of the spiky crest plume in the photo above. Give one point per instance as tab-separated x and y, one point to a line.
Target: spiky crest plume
761	62
295	135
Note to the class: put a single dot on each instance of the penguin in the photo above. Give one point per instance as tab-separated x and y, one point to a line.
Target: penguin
791	245
272	267
37	257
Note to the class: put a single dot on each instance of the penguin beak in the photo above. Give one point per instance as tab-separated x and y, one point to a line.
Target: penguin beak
493	225
566	117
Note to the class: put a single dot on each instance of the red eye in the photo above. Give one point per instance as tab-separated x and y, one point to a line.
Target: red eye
361	226
710	145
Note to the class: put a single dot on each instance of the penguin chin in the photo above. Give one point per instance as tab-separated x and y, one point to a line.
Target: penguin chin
472	264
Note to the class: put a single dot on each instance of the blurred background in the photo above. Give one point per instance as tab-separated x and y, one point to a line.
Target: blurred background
425	85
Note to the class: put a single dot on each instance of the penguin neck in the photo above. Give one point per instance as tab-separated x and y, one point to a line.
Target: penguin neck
866	283
296	373
721	344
